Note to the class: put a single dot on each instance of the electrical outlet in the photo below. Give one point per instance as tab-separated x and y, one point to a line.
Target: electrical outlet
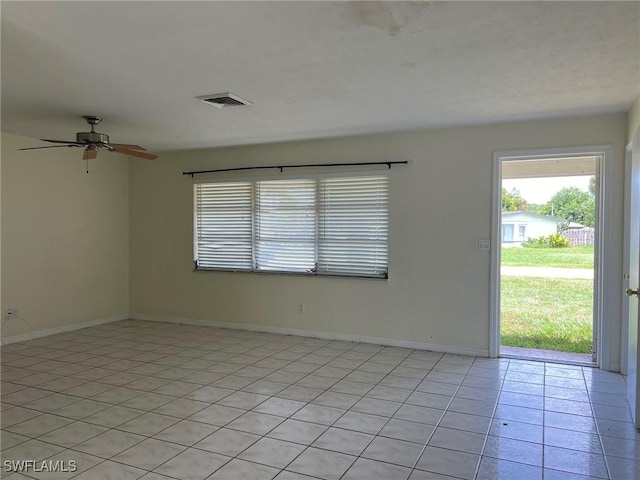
301	308
11	313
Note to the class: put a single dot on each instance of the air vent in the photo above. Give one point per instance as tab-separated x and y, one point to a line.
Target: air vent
224	100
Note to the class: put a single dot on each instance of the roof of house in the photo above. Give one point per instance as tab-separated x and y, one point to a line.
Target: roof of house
533	216
576	225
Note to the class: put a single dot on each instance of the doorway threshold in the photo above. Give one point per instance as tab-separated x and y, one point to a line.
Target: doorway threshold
550	356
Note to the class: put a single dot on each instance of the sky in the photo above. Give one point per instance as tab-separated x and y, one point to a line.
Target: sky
540	190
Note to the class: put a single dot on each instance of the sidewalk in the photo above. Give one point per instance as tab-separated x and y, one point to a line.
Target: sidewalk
547	272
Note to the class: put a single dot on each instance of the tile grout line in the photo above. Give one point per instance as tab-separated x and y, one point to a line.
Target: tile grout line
391	417
237	341
237	455
444	412
493	416
146	437
595	421
363	396
255	380
320	347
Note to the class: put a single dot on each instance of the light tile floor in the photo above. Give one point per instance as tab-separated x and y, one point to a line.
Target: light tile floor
570	358
147	400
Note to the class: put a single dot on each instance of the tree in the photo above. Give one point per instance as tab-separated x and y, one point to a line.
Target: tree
512	201
592	186
573	205
534	207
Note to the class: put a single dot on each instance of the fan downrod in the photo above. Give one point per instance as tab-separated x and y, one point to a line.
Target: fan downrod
92	137
92	120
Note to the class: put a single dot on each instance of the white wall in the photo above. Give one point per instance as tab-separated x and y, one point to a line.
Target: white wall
633	122
65	236
438	290
540	229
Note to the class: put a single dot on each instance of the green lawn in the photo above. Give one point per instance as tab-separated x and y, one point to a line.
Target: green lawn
547	313
571	257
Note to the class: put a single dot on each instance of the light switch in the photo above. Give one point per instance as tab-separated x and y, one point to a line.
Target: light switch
483	244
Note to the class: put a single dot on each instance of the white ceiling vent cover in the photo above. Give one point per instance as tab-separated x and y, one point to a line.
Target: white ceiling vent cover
224	100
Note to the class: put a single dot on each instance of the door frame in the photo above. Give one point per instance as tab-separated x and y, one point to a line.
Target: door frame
626	228
601	332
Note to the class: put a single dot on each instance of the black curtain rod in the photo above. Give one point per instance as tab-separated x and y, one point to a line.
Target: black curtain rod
282	167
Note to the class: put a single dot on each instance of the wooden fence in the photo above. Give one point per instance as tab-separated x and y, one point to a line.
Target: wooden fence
580	236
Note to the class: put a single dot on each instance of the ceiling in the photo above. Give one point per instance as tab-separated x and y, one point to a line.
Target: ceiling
550	167
311	69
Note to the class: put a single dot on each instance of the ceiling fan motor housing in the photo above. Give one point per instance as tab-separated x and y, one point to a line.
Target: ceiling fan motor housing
91	137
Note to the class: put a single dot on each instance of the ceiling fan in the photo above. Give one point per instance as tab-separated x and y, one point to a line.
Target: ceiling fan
93	141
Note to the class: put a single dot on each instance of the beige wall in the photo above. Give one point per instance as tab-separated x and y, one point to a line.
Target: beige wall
438	290
634	119
65	236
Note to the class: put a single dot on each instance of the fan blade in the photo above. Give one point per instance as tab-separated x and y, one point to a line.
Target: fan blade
60	141
133	153
89	154
52	146
127	146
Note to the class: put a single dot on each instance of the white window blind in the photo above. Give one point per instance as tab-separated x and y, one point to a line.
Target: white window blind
285	219
353	225
320	226
223	220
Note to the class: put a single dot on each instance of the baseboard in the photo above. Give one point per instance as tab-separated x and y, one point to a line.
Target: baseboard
391	342
62	329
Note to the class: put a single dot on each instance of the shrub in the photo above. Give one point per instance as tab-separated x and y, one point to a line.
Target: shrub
539	242
557	240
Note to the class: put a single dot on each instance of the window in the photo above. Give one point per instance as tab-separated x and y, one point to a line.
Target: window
507	232
522	230
285	222
314	226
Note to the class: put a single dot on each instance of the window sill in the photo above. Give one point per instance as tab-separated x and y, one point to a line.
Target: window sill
295	274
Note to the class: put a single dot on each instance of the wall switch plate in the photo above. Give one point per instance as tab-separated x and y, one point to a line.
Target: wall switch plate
483	244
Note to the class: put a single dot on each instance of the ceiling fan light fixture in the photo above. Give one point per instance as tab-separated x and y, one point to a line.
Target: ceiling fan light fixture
224	100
